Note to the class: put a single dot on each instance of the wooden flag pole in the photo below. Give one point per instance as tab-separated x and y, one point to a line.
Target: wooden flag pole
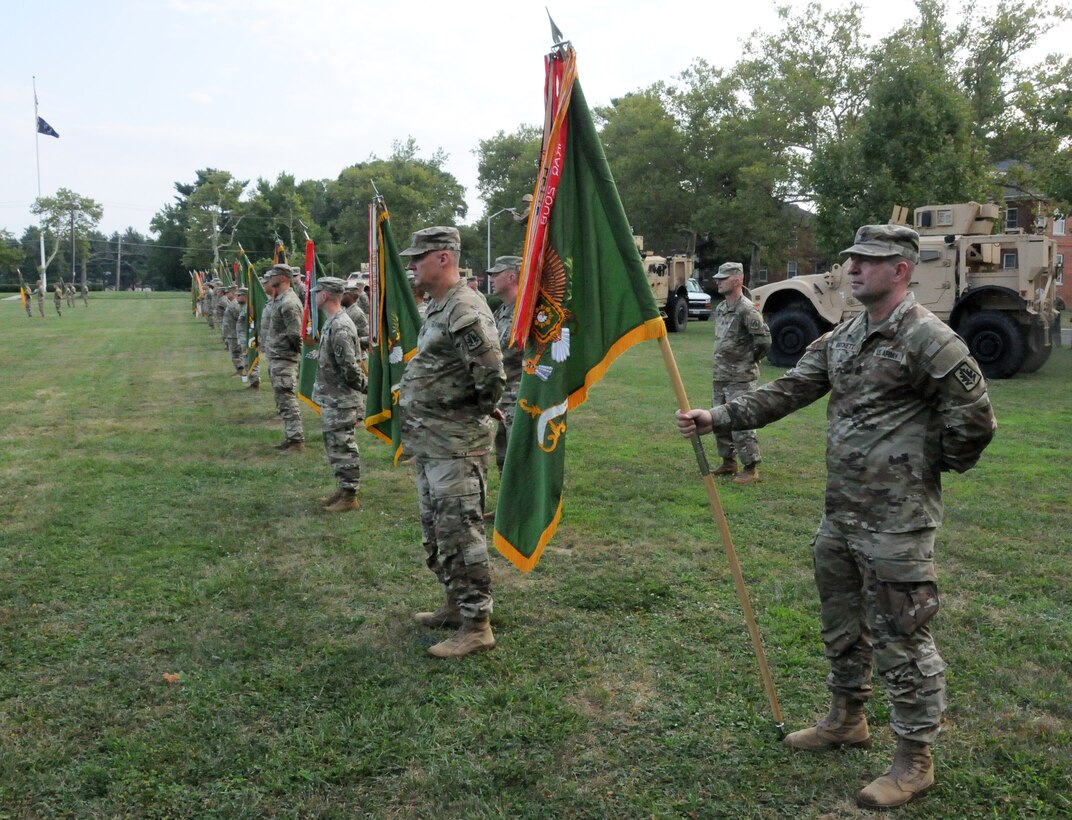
727	542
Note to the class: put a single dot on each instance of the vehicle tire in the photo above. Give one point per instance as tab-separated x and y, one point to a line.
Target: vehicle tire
792	330
677	314
1037	353
995	341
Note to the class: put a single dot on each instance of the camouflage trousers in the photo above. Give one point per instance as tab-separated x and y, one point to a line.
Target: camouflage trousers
59	304
450	495
85	302
235	349
284	376
742	444
878	592
41	306
338	428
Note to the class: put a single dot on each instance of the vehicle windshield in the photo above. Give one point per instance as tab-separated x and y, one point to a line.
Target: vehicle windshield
693	285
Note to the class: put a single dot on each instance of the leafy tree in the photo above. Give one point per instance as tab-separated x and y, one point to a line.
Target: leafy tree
276	211
166	252
646	151
418	193
914	145
506	173
59	213
11	254
213	214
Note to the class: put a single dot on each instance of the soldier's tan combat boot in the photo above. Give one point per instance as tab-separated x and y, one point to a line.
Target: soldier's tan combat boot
289	446
727	467
910	776
331	499
844	725
447	616
346	501
749	476
474	636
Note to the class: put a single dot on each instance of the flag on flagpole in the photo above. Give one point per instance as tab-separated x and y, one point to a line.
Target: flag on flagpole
583	300
46	129
311	324
255	302
393	325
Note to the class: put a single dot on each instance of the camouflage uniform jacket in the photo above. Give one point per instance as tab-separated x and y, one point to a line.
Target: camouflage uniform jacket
513	357
454	382
220	308
742	338
265	326
285	328
340	379
231	315
241	327
907	401
361	325
363	302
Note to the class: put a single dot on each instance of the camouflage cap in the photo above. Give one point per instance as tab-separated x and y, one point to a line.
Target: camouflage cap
351	286
728	269
504	263
439	238
242	292
885	240
280	270
330	284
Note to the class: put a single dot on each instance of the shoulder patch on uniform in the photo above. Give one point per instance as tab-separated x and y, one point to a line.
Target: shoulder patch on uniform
951	354
967	375
473	340
755	324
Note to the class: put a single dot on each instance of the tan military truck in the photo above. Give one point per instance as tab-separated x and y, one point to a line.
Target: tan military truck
994	289
669	278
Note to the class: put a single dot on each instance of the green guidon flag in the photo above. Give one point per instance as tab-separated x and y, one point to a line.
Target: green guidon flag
583	300
393	325
312	321
255	303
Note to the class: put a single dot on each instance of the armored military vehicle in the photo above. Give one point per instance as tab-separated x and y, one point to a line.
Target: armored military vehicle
668	277
995	289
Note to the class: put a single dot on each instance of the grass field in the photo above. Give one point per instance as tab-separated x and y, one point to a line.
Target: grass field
148	529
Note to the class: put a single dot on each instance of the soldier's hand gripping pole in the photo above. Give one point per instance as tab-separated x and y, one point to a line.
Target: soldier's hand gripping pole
727	542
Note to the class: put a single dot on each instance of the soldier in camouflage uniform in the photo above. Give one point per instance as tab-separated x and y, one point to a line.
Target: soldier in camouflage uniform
351	303
284	352
449	393
85	295
907	402
264	326
241	330
223	298
742	338
233	314
57	298
211	294
69	293
504	276
40	291
341	385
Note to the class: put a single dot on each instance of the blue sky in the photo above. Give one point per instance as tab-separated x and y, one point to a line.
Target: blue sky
145	93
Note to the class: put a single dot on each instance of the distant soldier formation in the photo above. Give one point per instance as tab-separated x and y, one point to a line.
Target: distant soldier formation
61	293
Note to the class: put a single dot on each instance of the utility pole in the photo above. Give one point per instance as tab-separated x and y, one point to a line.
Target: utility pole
119	262
73	209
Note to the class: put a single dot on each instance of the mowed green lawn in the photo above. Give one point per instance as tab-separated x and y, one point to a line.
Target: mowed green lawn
147	529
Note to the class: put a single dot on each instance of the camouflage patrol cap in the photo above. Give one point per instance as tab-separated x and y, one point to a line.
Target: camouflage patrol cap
438	238
728	269
330	284
885	240
242	292
280	270
505	263
351	286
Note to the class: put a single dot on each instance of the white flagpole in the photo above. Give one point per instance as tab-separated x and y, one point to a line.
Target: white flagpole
37	150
